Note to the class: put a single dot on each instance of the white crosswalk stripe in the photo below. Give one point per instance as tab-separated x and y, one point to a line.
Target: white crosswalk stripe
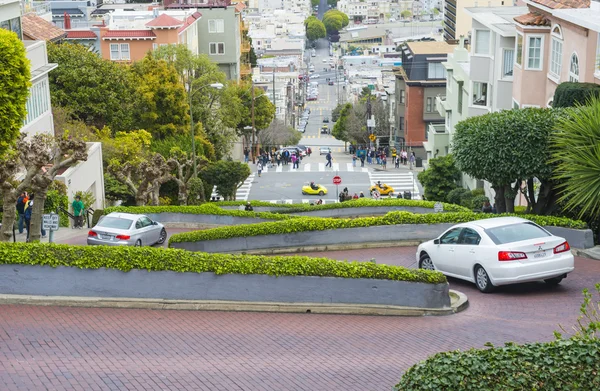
242	192
401	181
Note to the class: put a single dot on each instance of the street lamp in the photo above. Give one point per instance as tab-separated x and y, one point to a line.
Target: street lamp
188	86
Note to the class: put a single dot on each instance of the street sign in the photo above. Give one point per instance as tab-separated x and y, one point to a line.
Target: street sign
337	180
372	137
50	222
438	207
371	123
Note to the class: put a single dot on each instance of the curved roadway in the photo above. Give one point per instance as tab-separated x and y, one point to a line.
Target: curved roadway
128	349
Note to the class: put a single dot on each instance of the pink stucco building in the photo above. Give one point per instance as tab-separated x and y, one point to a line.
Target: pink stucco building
557	41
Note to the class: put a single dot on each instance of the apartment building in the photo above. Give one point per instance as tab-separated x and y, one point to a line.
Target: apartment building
278	77
84	176
420	79
457	22
556	41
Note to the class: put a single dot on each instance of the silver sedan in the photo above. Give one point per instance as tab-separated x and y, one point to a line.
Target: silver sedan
126	229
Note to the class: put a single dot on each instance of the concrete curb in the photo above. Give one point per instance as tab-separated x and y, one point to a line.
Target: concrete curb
331	247
458	302
590	253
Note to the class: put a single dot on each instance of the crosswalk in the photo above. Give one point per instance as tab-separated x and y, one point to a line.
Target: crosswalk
316	167
401	181
243	192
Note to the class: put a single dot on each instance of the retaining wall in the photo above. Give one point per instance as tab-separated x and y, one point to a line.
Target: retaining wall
343	212
111	283
192	220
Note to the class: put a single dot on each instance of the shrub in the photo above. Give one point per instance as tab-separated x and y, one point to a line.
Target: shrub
455	196
367	202
159	259
478	201
478	192
570	94
57	196
204	209
303	224
439	178
466	199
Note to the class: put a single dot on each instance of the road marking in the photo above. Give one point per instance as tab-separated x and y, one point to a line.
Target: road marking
279	168
335	166
321	167
242	193
349	167
307	167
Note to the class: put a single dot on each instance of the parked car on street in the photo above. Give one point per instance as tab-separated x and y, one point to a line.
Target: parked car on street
324	150
126	229
330	82
498	251
326	120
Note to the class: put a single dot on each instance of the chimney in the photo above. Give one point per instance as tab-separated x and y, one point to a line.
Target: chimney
67	21
461	54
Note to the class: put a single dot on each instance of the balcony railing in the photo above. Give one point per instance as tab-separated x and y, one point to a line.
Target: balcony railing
245	69
438	128
440	105
37	7
245	47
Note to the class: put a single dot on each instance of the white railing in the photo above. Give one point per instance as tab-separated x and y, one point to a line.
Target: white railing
37	7
438	128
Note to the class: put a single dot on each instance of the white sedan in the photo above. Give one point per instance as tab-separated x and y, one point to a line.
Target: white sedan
498	251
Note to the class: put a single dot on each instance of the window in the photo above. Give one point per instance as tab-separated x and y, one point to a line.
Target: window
216	26
482	41
402	96
13	25
469	237
154	46
451	237
480	93
556	57
516	105
119	51
401	123
534	52
460	97
508	62
436	71
429	105
217	48
574	69
519	50
38	101
516	233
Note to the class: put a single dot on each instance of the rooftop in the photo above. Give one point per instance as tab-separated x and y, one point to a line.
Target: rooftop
165	21
363	32
533	19
81	34
431	47
498	19
558	4
38	29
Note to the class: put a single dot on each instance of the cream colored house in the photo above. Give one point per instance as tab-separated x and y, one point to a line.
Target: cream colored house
457	22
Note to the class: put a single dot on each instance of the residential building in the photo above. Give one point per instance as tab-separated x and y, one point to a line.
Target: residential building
364	37
420	79
457	22
556	41
39	109
129	35
278	77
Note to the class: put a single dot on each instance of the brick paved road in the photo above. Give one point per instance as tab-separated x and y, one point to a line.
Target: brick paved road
118	349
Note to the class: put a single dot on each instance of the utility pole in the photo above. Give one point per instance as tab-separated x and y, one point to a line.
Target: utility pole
274	101
253	128
369	116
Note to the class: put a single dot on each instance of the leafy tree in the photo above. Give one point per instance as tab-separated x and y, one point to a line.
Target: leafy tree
98	91
436	12
315	29
182	167
340	131
227	176
278	133
576	153
382	118
314	3
162	107
507	148
264	110
184	142
356	126
334	21
335	113
406	14
439	178
14	87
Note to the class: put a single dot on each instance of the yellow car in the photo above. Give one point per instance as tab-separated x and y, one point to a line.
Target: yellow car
314	190
382	189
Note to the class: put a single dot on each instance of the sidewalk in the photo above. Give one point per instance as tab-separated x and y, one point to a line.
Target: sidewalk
63	235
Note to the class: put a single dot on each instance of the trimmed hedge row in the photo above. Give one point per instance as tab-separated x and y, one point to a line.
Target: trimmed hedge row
367	202
302	224
569	364
159	259
204	209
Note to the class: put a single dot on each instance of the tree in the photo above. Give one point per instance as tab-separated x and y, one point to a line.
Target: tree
335	113
507	148
436	12
14	84
406	14
340	131
182	166
97	91
278	133
576	153
144	179
162	106
315	29
439	178
334	21
356	124
382	118
227	176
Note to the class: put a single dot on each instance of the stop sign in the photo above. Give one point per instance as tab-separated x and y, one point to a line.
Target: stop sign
337	180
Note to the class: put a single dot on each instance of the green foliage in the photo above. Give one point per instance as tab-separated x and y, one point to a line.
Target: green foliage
204	209
439	178
57	196
162	107
14	87
264	110
576	153
226	176
184	142
334	21
115	190
97	91
588	322
181	261
335	113
569	94
365	202
340	129
278	133
303	224
406	14
570	364
315	29
478	192
454	196
478	201
87	198
195	192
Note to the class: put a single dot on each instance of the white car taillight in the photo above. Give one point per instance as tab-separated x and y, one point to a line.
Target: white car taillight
561	248
511	255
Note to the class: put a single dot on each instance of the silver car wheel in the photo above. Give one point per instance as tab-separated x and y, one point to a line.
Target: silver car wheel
138	243
427	263
163	236
482	279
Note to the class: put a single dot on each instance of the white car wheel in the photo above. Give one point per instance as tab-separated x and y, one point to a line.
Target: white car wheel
426	263
482	280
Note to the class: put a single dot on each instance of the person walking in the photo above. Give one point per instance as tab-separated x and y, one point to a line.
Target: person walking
354	161
397	161
362	160
329	159
246	155
259	168
384	162
412	160
78	212
21	201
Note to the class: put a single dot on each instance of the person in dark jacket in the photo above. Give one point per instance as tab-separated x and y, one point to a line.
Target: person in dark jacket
21	210
249	207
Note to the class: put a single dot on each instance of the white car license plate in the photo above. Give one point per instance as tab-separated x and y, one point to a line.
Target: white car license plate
539	254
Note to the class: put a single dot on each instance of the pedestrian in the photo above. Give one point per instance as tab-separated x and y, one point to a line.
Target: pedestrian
21	201
397	161
355	196
259	167
308	151
362	160
362	195
246	155
354	161
249	207
78	212
294	161
278	158
329	159
412	160
27	215
404	157
384	162
487	207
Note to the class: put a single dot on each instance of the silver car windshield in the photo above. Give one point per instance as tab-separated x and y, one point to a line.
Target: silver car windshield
516	233
115	222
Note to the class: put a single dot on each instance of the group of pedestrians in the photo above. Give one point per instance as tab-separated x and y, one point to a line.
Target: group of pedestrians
380	157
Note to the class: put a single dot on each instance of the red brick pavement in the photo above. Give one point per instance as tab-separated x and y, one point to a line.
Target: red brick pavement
60	348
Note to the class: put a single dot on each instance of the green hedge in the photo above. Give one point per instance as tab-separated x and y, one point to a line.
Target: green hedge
204	209
367	202
158	259
302	224
569	364
569	94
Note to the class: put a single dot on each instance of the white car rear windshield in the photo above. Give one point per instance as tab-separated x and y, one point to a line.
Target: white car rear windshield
516	233
115	222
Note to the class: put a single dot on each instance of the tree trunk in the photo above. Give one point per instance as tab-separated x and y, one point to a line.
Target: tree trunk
9	200
35	226
531	201
140	198
499	200
547	199
509	198
182	195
